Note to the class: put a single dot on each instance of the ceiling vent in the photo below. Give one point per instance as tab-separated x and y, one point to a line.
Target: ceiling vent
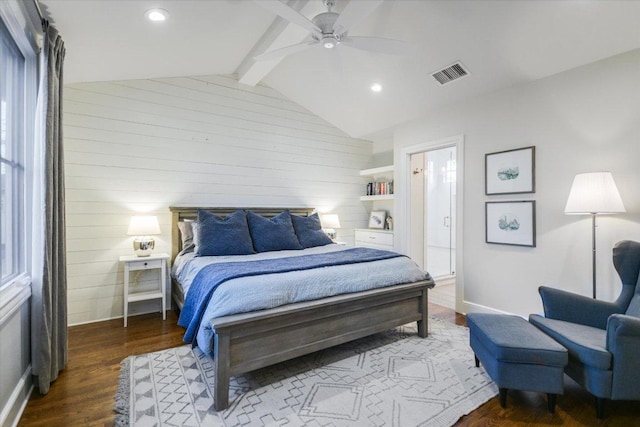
450	73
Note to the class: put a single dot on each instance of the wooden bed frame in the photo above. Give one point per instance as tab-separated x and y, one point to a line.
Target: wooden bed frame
245	342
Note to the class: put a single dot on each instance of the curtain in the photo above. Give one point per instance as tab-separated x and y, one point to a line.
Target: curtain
49	301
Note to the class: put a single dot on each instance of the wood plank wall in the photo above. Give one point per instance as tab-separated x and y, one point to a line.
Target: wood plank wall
141	146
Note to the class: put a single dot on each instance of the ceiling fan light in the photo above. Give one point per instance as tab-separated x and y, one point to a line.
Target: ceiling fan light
330	41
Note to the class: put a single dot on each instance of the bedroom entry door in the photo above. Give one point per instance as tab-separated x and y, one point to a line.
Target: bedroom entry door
433	211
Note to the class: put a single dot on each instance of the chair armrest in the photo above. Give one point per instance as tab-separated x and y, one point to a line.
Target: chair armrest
623	341
574	308
621	325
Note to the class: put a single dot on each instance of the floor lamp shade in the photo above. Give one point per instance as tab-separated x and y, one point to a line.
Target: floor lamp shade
593	193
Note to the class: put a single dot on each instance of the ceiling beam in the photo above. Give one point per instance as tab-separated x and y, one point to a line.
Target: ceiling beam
281	33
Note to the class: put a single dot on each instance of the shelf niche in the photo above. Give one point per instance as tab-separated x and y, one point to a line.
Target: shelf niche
383	171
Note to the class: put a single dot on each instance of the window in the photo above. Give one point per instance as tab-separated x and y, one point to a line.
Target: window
12	148
18	92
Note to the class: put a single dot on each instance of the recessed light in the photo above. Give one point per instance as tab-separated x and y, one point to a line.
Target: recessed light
156	15
376	87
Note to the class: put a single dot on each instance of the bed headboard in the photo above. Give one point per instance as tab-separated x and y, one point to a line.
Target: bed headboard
180	213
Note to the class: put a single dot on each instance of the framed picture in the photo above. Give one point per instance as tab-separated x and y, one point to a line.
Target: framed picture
511	223
510	172
377	219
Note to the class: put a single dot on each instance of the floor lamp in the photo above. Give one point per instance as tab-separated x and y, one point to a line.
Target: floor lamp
594	193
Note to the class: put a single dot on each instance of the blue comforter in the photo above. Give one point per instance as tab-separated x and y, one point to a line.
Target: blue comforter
212	276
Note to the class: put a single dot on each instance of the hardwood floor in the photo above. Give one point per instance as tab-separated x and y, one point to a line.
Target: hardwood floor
84	393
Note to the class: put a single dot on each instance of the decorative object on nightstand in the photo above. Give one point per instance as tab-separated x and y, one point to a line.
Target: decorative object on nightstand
377	219
143	227
389	223
594	193
151	262
329	224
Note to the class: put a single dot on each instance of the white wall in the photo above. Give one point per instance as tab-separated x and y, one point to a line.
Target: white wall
15	354
582	120
145	145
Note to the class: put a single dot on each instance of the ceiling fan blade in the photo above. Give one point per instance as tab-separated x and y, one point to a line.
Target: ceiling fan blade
289	14
354	13
379	44
284	51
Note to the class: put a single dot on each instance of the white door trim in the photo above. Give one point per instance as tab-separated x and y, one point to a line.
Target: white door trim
402	203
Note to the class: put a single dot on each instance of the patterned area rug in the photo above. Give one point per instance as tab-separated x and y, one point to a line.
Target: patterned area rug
391	379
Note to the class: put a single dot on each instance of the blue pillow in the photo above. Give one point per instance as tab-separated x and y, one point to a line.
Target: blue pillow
309	231
275	234
223	236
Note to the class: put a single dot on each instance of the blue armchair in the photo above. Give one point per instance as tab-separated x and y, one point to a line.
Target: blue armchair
603	338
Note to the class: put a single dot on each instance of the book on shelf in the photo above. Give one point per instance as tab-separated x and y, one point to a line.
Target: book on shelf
379	188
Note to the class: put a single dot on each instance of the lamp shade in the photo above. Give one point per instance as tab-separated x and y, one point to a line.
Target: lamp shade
594	193
141	225
330	221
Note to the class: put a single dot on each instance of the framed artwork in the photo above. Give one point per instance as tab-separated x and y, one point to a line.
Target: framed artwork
510	172
511	223
377	219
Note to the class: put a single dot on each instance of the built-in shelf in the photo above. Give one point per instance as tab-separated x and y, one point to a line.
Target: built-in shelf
380	197
377	171
384	172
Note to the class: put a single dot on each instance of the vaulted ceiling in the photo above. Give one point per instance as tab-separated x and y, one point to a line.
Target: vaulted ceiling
502	43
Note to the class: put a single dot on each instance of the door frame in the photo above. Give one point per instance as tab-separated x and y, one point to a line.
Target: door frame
402	203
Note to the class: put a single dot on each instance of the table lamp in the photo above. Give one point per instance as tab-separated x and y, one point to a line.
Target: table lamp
329	223
143	227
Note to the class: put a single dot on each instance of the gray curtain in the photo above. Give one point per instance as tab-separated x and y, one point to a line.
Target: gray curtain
51	315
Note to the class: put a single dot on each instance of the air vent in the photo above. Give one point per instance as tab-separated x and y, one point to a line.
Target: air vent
450	73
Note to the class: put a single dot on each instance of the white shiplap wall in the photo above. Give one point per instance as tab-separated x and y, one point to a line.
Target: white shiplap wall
141	146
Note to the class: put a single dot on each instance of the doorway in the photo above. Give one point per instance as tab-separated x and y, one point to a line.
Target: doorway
433	235
433	219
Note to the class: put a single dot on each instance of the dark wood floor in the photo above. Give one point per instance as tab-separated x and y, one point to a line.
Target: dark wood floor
84	393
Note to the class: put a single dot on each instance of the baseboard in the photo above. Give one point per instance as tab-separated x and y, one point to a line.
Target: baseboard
117	317
14	408
445	281
470	307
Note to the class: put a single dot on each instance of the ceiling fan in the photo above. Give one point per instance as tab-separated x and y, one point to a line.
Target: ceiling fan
330	29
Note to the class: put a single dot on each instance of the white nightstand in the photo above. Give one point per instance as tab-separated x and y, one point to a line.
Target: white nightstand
374	238
136	263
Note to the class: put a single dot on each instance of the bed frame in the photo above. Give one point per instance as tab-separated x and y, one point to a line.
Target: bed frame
245	342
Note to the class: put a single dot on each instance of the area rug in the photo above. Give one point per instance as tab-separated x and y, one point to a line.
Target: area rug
390	379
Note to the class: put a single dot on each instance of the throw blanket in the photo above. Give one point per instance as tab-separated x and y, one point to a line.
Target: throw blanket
212	276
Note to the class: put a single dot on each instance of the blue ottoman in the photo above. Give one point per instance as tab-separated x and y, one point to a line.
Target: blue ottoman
517	355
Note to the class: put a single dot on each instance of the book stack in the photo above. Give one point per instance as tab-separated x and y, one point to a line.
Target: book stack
379	188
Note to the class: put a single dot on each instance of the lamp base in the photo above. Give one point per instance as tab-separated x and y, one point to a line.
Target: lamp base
332	233
143	246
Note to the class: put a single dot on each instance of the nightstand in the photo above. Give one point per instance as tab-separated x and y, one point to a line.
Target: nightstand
374	238
136	263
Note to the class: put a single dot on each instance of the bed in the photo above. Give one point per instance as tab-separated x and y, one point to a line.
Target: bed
247	341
